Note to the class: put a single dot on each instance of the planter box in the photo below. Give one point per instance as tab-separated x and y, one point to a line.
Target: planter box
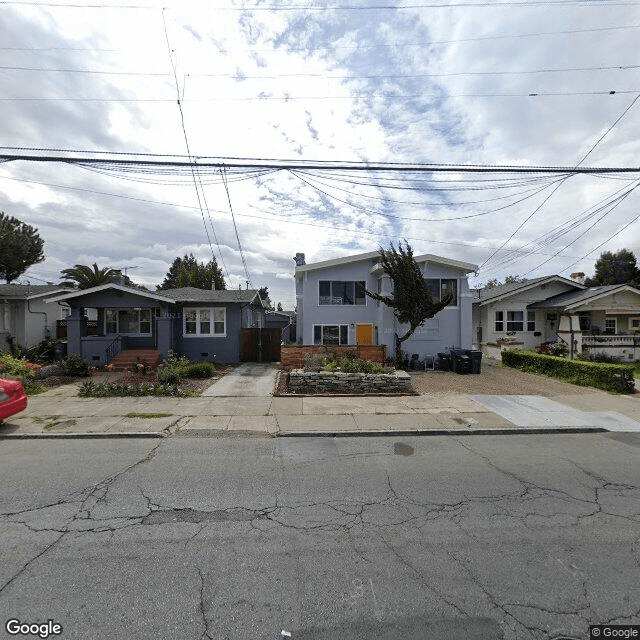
335	382
292	357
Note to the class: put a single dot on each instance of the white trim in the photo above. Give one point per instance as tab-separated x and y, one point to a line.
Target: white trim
507	294
601	294
212	322
362	257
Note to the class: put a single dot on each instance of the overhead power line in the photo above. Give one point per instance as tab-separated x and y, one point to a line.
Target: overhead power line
215	163
394	45
351	96
324	76
200	193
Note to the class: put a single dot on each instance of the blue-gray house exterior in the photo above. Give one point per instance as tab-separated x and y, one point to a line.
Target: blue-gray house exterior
332	310
201	324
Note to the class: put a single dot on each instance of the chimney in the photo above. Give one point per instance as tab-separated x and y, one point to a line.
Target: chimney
578	277
213	284
299	258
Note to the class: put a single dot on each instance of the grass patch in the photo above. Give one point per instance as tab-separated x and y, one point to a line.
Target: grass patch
148	415
53	421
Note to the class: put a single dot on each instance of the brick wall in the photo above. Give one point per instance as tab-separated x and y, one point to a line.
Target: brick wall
293	357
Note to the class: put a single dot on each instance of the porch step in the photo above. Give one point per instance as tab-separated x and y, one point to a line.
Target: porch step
128	358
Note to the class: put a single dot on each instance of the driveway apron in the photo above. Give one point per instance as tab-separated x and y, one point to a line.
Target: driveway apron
249	380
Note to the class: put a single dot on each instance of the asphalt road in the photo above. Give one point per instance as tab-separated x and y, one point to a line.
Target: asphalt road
476	537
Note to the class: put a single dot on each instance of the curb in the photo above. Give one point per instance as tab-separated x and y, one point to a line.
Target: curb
440	432
81	435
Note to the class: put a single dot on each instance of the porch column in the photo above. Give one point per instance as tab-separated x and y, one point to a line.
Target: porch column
76	330
164	328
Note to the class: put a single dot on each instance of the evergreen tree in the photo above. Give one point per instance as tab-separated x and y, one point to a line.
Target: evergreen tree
20	247
615	268
411	300
189	272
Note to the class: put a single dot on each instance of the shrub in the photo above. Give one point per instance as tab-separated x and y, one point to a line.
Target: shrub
18	367
609	377
170	376
198	370
74	365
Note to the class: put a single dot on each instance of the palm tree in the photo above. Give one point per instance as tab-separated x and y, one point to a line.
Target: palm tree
84	277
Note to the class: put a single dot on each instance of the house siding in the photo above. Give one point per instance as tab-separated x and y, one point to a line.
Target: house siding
483	317
450	328
221	348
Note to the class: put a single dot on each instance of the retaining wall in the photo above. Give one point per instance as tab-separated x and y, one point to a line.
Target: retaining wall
330	382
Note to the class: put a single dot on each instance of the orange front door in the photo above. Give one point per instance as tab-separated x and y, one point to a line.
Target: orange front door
364	334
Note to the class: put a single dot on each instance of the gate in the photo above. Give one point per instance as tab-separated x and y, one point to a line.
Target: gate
260	345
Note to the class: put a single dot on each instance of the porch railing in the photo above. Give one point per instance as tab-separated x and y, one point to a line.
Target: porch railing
115	347
611	341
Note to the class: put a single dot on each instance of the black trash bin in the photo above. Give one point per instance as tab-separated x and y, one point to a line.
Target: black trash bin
444	362
455	356
476	360
462	364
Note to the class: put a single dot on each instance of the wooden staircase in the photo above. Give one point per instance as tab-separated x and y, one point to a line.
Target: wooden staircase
128	358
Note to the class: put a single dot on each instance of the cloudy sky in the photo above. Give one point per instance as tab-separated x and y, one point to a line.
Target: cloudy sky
440	81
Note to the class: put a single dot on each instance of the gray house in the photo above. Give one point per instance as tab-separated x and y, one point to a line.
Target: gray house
24	315
332	309
201	324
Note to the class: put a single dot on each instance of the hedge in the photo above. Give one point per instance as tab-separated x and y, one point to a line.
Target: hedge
610	377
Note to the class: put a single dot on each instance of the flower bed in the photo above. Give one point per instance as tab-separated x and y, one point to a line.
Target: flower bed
350	383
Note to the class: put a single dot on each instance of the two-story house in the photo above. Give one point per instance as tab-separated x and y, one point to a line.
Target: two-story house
332	308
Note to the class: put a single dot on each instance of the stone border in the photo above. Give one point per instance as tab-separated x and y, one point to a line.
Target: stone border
351	383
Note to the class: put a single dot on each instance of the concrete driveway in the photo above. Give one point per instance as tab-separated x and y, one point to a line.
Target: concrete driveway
249	380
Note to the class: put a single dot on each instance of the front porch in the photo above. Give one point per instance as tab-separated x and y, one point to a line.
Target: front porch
624	347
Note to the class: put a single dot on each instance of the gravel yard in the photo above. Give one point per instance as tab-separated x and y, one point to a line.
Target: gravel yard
493	379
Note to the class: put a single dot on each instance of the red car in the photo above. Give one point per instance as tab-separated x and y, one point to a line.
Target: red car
12	398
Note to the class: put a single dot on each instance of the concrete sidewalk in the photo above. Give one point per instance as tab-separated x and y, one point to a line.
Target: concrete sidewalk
61	413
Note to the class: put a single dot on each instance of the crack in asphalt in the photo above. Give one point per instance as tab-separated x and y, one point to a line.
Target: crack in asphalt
382	515
82	513
201	608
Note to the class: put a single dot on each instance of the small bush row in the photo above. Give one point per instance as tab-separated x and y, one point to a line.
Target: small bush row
123	389
348	364
617	378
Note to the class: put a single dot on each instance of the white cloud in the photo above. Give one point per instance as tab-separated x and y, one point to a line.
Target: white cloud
331	85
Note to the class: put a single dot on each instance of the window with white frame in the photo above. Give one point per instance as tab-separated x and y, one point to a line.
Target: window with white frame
610	325
515	320
330	334
499	323
127	321
634	324
341	292
440	287
531	320
201	321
